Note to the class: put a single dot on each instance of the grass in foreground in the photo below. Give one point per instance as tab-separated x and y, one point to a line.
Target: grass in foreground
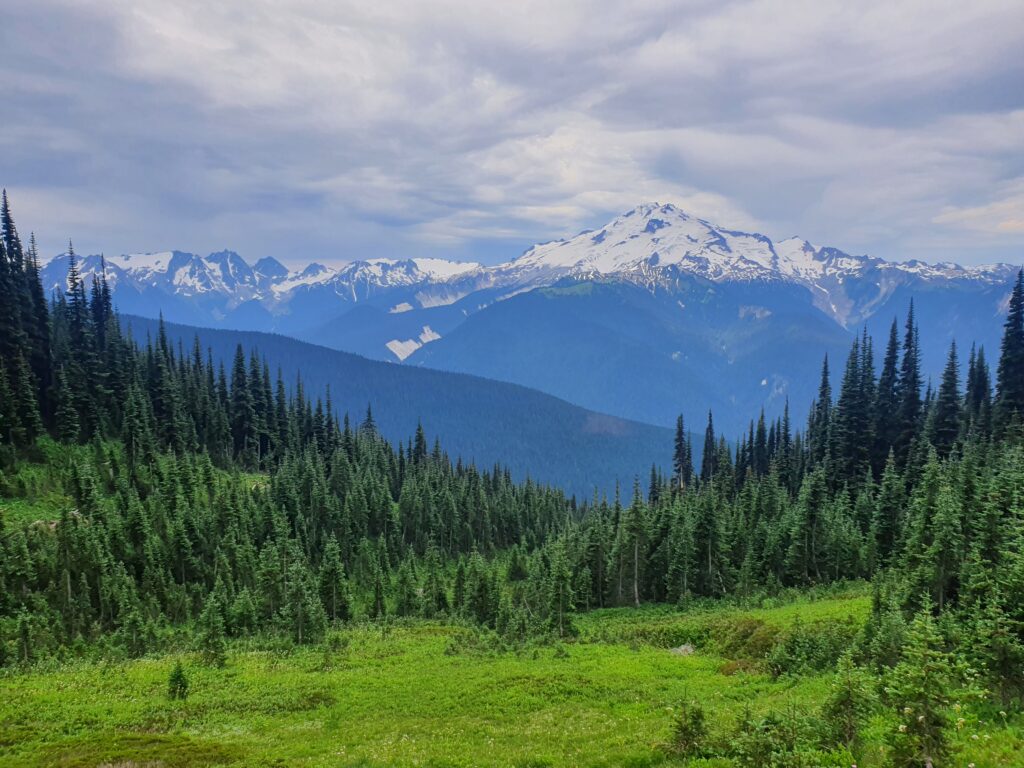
412	696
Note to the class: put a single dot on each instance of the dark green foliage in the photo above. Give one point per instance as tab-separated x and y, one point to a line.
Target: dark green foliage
850	702
211	642
995	646
1009	403
944	424
334	591
807	649
691	732
922	690
682	459
177	683
908	405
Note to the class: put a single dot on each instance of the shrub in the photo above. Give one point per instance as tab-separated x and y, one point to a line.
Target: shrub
690	732
850	702
783	742
924	689
177	684
810	648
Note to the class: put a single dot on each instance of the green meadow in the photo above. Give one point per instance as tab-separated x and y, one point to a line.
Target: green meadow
426	694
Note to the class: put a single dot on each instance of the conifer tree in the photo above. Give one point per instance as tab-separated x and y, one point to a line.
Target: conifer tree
886	532
68	427
886	405
334	592
177	683
303	611
9	422
560	590
978	395
682	461
709	457
908	407
920	690
406	598
243	416
820	421
1009	404
211	640
945	420
634	542
26	401
850	702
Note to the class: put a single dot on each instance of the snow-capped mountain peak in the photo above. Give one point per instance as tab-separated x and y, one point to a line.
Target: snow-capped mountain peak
654	236
651	245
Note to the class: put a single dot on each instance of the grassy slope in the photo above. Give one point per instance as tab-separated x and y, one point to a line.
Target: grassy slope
402	700
29	492
396	701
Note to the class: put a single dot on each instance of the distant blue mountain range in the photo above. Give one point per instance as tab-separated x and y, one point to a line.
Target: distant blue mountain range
656	313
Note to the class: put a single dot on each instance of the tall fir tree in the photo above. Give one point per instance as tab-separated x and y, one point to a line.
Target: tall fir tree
908	407
1009	404
944	422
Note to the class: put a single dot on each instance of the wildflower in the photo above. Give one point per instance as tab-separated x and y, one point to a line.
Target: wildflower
907	710
903	729
974	736
920	718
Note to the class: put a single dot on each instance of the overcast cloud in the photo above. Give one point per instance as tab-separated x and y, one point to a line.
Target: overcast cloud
327	130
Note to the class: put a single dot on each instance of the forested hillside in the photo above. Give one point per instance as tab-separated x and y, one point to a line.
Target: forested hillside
150	492
532	434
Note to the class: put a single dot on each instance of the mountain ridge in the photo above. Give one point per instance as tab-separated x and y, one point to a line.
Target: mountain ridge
704	316
638	246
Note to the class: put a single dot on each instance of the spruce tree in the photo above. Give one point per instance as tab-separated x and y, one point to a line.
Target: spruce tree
177	683
68	427
909	392
850	702
243	416
886	405
9	422
709	455
682	462
1009	404
210	633
26	401
334	592
560	590
820	421
944	427
634	541
921	690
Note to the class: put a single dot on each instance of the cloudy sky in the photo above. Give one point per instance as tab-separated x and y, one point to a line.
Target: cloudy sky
331	130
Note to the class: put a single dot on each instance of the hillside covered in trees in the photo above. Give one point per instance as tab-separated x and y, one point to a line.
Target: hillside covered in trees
530	433
157	491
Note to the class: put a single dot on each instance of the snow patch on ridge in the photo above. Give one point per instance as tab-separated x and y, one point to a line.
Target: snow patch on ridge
402	349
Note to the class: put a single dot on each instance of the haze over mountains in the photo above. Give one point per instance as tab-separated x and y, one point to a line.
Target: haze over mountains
530	433
655	313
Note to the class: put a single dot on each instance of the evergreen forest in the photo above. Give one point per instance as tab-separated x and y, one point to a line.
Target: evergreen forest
183	519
